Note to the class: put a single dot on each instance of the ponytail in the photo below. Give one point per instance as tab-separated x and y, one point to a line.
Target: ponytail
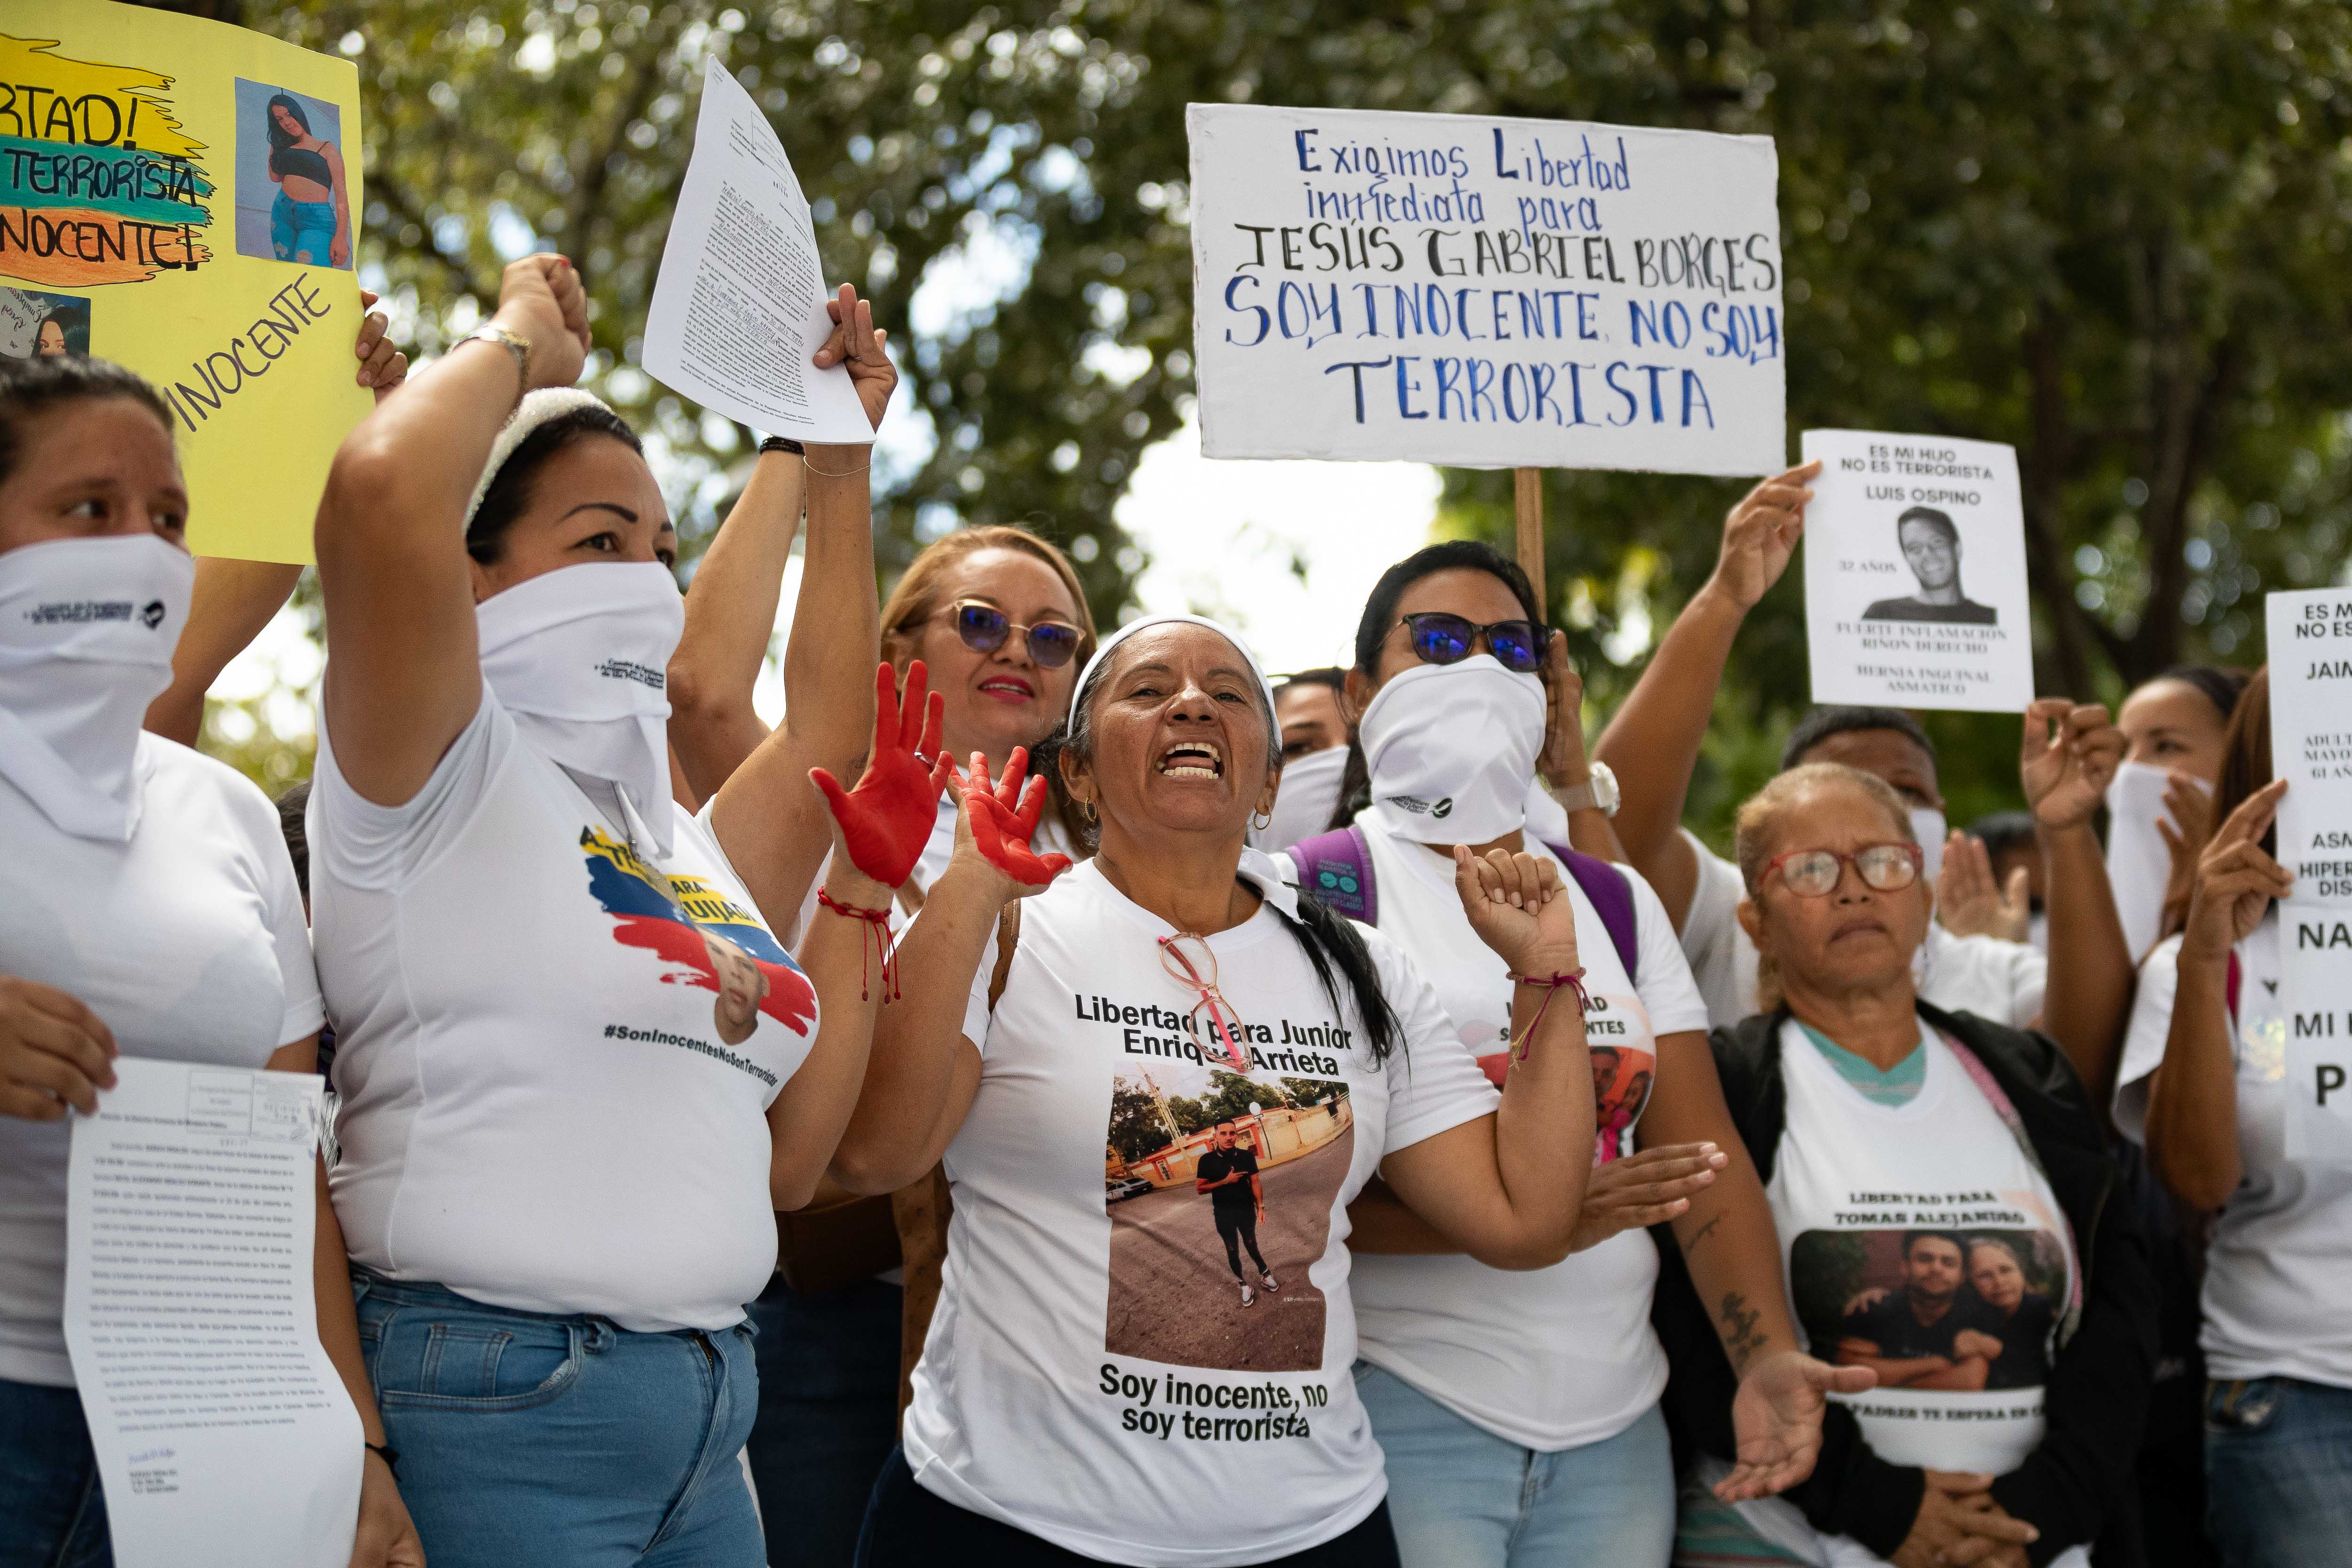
1332	941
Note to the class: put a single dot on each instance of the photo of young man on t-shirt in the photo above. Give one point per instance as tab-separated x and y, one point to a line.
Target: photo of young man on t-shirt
1961	1315
1228	1173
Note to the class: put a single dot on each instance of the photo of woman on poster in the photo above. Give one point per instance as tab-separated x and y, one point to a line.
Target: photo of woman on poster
311	217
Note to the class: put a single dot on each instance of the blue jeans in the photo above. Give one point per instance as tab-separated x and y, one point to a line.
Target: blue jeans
51	1513
2278	1473
302	231
828	1415
534	1441
1463	1497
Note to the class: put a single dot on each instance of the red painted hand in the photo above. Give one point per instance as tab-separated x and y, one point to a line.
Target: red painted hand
887	818
1005	816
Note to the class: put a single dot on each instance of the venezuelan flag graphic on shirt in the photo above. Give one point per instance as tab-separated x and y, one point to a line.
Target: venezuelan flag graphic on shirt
720	946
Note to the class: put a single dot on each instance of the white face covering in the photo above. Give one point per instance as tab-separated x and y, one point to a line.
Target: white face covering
1310	794
2138	864
1451	748
1928	824
86	630
581	657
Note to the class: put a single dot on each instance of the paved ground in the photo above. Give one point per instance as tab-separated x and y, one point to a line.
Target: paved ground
1173	1297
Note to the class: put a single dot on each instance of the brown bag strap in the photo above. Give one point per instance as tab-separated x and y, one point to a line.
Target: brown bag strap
1008	937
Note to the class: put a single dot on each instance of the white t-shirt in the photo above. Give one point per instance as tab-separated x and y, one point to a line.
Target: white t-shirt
554	1052
1552	1358
2280	1268
1853	1184
188	941
1092	1376
2000	981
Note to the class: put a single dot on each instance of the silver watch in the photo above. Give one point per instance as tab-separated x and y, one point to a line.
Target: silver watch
1598	793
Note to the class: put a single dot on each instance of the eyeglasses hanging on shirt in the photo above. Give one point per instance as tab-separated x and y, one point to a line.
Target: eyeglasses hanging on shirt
1177	958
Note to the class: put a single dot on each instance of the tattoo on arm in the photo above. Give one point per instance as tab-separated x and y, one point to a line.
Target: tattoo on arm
1740	1338
1704	1232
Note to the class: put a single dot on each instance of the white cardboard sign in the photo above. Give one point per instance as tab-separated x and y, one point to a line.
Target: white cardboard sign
1915	574
1485	292
2311	748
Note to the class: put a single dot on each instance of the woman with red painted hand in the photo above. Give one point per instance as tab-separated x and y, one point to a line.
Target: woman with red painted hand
1475	1378
2206	1085
1892	1136
1092	1389
148	909
551	1151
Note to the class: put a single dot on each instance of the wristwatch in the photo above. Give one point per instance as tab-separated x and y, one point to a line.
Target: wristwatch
1598	793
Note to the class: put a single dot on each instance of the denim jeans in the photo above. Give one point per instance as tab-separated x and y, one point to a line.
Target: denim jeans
1462	1498
51	1513
302	231
828	1415
534	1441
2278	1473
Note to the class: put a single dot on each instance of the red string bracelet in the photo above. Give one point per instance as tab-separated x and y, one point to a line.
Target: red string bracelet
1551	985
880	920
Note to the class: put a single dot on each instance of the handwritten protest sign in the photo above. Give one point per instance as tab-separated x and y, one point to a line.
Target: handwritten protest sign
1915	574
1485	293
2311	748
184	197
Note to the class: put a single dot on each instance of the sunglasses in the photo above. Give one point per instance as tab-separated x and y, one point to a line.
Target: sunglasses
1441	638
1813	873
983	629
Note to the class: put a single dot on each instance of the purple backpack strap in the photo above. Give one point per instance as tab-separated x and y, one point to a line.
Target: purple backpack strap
1337	868
1612	900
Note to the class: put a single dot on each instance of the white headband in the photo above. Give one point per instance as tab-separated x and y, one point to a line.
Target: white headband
1265	687
535	410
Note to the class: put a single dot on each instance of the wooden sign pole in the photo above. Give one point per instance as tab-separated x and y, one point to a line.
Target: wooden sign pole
1527	489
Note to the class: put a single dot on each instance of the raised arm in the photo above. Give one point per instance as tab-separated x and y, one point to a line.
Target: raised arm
235	599
1507	1188
2192	1099
1652	744
404	670
771	826
2070	755
925	1069
730	612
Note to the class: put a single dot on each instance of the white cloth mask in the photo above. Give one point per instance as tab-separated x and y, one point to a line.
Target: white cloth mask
1451	748
1310	794
87	631
1928	824
2139	864
581	657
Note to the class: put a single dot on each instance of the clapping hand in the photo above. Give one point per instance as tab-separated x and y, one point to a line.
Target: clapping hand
1004	819
2070	756
1644	1189
1970	902
1776	1418
885	822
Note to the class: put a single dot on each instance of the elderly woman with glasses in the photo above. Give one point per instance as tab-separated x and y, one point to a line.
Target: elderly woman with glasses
1094	1387
1885	1130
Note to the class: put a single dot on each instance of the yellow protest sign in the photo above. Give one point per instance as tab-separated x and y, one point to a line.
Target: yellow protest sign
183	196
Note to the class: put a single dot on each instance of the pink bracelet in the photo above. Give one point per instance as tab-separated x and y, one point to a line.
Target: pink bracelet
1551	985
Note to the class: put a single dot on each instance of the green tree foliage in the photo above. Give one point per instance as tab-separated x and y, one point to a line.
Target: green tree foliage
1136	1127
2112	232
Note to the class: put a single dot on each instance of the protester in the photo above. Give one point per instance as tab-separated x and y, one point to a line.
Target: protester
1997	858
2175	728
1479	1379
1315	734
2205	1085
999	619
2068	753
1069	1404
150	909
1886	1130
568	1105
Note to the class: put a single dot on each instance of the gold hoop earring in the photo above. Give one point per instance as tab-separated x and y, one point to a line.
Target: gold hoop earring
1262	820
1088	808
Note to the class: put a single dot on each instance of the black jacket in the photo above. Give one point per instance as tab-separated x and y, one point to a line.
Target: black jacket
2078	1486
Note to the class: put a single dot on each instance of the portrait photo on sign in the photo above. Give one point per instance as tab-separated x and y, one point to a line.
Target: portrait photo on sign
1220	1189
1958	1311
293	196
35	323
1915	574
